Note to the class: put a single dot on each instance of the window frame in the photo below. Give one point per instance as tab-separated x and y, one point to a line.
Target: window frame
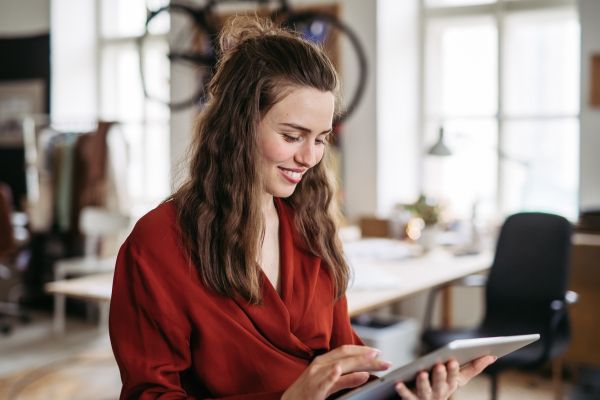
140	204
498	11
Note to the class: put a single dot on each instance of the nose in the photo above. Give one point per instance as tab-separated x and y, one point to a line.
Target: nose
306	154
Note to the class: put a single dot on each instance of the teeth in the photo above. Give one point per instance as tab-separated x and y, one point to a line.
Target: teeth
295	175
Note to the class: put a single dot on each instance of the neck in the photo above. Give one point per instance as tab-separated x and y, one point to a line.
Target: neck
269	205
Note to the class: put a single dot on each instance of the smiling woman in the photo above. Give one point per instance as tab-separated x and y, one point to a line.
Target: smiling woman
235	286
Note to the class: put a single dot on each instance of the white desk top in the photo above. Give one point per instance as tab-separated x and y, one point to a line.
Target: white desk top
414	274
91	287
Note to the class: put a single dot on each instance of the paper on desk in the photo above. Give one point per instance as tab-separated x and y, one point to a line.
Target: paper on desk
362	253
376	249
370	277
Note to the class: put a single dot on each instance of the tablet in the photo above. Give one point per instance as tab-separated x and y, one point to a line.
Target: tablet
464	351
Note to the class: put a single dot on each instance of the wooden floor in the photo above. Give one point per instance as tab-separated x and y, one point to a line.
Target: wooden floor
34	365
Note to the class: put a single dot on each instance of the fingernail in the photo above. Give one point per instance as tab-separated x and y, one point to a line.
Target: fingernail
495	358
385	364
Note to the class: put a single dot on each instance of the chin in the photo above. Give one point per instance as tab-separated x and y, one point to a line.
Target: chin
282	192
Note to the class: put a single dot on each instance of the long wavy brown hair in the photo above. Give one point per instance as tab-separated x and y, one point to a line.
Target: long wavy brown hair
220	204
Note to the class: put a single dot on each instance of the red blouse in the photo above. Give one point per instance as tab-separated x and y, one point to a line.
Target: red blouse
175	339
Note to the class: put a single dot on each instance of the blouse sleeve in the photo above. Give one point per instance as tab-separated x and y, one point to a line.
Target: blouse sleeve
342	332
148	332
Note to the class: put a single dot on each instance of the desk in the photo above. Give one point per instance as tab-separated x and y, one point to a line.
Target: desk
436	269
97	288
585	281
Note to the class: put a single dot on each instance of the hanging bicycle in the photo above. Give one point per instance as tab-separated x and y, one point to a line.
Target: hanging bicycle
190	33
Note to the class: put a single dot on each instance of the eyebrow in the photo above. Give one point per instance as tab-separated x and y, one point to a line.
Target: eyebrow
303	129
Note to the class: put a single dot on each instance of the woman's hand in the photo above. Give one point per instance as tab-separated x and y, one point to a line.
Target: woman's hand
444	381
342	368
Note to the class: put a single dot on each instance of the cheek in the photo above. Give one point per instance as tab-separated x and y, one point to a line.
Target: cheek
270	151
275	151
319	154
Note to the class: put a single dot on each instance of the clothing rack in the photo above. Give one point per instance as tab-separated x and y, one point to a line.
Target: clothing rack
68	165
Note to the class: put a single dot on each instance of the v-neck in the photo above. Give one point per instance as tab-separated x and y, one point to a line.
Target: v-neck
281	319
286	261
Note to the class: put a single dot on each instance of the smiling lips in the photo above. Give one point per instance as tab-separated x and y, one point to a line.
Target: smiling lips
293	176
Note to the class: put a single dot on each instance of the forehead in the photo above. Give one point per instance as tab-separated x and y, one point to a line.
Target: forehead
307	106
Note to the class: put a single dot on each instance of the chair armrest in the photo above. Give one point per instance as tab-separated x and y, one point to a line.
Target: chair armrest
570	298
559	312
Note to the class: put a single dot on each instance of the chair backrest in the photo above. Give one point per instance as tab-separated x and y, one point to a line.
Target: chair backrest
95	222
530	269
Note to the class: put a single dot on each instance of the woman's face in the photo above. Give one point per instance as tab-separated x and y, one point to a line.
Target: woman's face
293	132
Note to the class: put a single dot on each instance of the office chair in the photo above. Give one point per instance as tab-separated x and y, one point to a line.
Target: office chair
526	292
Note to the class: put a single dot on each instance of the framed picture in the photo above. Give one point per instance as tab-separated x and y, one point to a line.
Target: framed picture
18	98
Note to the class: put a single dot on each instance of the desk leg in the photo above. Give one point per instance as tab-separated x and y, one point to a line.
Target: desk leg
557	367
447	307
59	314
104	307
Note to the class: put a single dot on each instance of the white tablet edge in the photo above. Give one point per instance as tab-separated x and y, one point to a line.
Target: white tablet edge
463	350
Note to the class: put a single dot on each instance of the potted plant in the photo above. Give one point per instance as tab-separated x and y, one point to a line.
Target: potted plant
428	210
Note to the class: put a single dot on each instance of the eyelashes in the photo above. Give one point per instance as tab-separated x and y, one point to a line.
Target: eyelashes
292	139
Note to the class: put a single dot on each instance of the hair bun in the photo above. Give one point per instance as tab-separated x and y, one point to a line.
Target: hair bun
240	28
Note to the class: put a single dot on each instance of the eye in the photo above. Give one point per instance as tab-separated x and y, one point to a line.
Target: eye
320	141
290	139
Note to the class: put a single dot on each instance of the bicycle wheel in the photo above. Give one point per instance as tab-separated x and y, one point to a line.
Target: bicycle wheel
330	32
177	55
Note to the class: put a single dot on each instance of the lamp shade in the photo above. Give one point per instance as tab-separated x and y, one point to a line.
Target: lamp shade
440	148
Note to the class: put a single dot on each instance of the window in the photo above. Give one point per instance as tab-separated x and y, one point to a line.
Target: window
144	122
502	78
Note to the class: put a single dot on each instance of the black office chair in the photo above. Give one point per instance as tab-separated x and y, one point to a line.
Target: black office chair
526	292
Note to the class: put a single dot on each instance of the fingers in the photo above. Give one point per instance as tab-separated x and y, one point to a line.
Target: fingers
324	387
354	359
423	390
404	392
344	352
444	380
453	369
348	381
423	386
439	384
473	369
363	363
442	384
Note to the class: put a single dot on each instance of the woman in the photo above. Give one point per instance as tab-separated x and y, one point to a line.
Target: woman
234	288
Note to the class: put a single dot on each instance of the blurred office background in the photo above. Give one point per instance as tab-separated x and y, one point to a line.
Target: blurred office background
514	84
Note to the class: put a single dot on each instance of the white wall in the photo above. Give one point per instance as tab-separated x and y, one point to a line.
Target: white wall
589	186
21	18
398	103
73	47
